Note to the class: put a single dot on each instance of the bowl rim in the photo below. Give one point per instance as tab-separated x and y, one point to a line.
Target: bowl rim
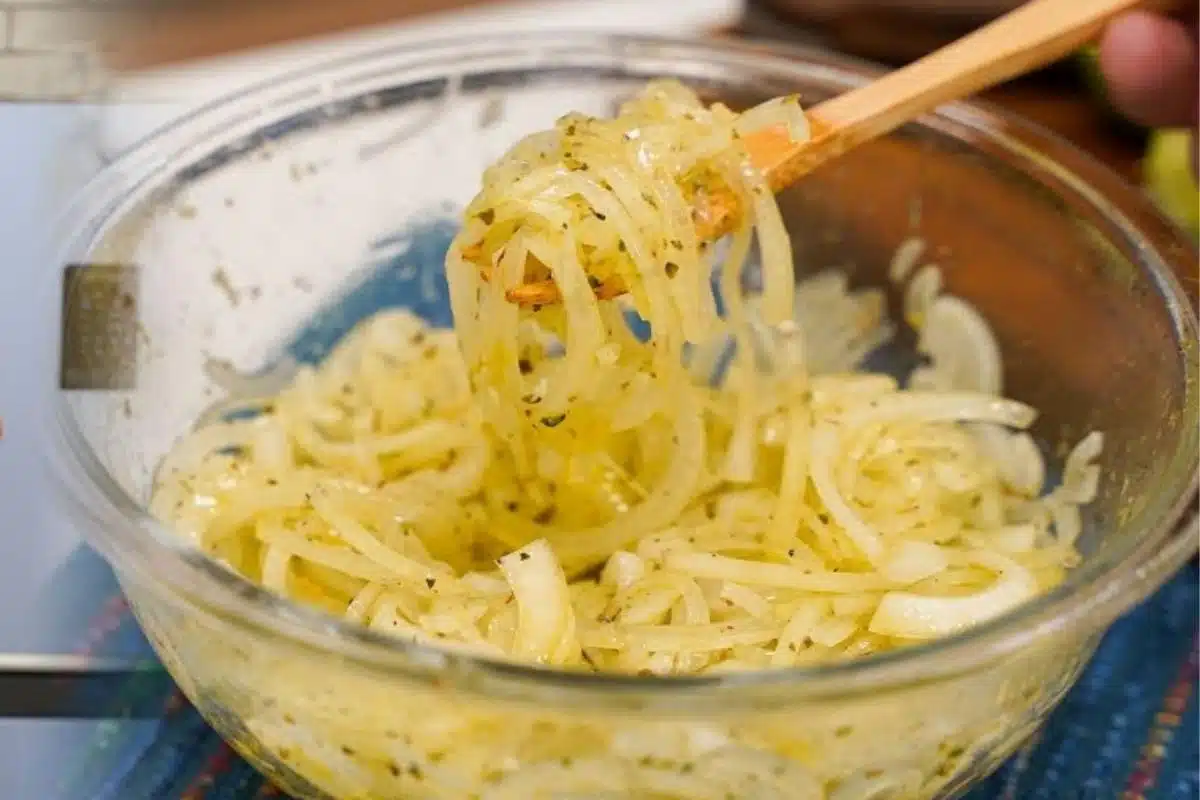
1092	597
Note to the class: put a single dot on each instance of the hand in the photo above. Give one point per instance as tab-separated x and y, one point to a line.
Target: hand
1151	67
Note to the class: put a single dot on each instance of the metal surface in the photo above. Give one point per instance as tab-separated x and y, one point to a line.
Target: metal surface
100	327
78	687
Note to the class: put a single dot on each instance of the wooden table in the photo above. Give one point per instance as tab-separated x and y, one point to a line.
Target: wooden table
1063	105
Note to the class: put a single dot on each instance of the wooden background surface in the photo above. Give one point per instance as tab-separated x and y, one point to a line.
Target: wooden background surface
45	54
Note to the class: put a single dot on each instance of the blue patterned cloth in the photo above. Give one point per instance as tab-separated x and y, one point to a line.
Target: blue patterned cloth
1128	730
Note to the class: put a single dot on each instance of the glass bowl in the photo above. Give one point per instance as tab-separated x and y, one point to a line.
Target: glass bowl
249	236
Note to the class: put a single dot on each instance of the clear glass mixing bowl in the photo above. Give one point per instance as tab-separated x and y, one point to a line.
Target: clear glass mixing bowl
250	235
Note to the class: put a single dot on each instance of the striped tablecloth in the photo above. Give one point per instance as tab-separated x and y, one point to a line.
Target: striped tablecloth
1128	730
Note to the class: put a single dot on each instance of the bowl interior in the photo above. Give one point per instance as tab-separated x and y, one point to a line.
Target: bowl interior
251	237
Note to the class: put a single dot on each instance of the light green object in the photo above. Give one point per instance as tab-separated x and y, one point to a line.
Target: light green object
1165	170
1169	179
1089	63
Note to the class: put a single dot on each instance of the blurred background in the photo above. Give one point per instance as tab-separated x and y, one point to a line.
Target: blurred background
65	113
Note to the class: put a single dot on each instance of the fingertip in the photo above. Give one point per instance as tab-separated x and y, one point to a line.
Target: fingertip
1150	63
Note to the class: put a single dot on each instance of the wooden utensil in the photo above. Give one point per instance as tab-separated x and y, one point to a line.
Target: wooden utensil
1028	38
